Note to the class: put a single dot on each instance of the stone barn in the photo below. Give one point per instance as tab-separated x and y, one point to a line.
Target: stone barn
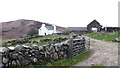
94	26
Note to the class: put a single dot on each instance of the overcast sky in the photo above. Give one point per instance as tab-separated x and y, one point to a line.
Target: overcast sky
64	13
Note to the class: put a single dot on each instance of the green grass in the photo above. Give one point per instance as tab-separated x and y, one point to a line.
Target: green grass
71	62
103	36
7	40
45	37
40	38
39	44
3	41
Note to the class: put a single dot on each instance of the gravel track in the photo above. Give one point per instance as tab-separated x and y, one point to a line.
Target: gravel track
105	53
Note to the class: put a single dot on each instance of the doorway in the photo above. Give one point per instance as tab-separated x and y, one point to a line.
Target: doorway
45	34
94	29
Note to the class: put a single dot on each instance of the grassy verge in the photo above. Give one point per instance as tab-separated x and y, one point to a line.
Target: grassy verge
46	37
71	62
62	62
103	36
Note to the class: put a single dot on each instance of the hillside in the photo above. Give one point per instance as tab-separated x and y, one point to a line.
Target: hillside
19	28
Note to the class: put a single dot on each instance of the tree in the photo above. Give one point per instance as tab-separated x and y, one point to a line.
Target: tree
32	31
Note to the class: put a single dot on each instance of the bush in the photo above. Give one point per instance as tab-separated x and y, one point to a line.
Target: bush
32	31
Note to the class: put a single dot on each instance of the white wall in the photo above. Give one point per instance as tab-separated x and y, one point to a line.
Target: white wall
51	31
43	30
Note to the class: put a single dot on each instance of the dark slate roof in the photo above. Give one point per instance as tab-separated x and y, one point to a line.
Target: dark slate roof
50	27
94	22
77	28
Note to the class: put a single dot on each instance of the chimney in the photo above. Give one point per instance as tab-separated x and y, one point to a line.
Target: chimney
54	28
43	25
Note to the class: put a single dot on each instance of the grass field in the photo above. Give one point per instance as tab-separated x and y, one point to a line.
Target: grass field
46	37
40	38
103	36
39	44
37	39
3	41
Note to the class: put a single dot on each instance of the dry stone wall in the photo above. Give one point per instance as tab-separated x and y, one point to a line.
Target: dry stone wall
22	55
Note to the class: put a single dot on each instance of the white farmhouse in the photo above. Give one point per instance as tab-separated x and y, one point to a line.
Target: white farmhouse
47	30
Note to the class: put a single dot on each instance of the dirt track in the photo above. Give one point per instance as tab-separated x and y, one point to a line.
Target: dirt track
105	53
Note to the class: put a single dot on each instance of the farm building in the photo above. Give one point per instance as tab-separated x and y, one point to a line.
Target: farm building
47	30
94	26
111	29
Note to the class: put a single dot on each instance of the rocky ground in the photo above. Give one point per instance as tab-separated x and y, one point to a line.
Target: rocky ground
105	53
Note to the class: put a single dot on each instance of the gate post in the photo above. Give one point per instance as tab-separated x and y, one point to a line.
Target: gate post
89	44
70	49
70	52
